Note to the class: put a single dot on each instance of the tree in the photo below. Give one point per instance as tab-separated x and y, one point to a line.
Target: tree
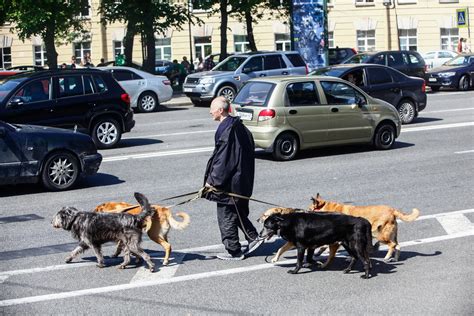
52	20
251	12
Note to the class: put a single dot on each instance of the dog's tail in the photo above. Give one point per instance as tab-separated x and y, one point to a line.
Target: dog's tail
407	217
147	210
181	224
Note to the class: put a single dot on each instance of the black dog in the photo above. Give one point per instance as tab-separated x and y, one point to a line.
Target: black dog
312	230
94	229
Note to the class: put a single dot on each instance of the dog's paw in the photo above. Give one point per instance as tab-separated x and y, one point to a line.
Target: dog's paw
389	260
292	271
100	265
68	259
152	269
165	262
365	276
309	265
274	259
121	267
347	271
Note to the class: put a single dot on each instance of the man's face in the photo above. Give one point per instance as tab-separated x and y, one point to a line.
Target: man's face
216	112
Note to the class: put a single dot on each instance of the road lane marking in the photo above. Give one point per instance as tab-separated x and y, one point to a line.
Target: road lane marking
165	272
159	154
464	152
434	127
450	110
193	277
171	134
455	223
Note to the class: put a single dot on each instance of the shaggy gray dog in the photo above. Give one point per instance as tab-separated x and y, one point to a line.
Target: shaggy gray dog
94	229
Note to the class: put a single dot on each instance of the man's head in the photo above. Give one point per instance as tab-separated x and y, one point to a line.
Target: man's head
184	58
220	107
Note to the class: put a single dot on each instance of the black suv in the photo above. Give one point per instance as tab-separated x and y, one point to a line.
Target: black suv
88	100
407	61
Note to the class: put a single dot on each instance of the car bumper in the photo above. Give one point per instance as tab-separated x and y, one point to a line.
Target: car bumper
91	163
166	94
129	122
264	136
422	103
202	92
442	82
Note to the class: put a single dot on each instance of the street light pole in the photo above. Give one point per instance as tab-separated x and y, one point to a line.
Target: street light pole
190	10
387	4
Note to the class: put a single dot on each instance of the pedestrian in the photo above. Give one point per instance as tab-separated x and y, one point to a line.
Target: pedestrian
231	169
199	64
88	60
209	63
73	61
465	46
178	73
102	63
185	63
459	49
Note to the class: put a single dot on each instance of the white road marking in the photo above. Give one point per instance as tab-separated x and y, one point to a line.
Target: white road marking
464	152
192	277
455	223
159	154
434	127
450	110
172	134
423	217
165	272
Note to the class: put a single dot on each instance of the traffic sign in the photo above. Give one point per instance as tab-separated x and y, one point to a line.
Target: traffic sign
462	18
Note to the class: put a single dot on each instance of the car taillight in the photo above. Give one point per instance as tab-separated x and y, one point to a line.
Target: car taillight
354	50
167	82
125	98
423	87
266	115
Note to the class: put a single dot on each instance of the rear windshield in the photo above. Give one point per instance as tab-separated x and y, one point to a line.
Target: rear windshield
296	60
230	63
7	85
254	94
358	59
334	72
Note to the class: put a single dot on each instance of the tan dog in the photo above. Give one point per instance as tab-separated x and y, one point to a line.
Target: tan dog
161	222
383	219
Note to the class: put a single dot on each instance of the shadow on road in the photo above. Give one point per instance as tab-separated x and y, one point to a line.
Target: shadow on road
133	142
425	120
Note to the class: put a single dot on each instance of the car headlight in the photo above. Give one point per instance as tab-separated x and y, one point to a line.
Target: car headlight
447	74
207	80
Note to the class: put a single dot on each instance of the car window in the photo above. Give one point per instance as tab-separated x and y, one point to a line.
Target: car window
230	63
355	77
430	55
296	60
358	59
70	86
395	59
340	93
254	94
379	59
274	62
35	91
378	76
414	59
88	85
122	75
8	85
254	64
100	84
302	93
444	55
397	76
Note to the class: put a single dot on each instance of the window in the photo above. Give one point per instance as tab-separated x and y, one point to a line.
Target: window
35	91
378	76
39	55
119	49
85	9
379	59
408	39
445	55
100	84
413	59
302	94
203	46
331	39
163	48
254	64
201	5
124	75
340	93
396	59
70	86
241	43
296	60
5	57
449	39
81	50
88	85
254	93
364	2
366	41
274	62
282	42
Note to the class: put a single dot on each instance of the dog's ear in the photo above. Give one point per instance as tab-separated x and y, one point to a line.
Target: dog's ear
318	196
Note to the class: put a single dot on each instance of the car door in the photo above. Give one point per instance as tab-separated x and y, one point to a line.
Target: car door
382	86
32	103
253	67
126	79
306	113
274	65
349	119
11	156
416	65
399	61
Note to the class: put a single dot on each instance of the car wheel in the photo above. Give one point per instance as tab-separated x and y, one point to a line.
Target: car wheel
106	133
384	137
228	92
464	83
434	88
60	172
406	111
147	102
286	147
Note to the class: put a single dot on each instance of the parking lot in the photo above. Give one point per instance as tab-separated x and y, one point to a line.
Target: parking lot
429	168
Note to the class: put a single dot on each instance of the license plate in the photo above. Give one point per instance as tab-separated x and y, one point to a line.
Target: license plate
244	116
188	89
432	79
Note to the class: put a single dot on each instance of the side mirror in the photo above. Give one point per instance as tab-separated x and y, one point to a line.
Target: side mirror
15	102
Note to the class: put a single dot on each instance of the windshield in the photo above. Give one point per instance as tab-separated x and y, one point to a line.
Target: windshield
357	59
8	85
458	61
230	63
254	94
334	72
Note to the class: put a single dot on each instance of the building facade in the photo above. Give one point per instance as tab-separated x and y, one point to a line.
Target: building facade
366	25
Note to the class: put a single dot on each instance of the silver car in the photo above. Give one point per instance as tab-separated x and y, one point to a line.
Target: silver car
226	78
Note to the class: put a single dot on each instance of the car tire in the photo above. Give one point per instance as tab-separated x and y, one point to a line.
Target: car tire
60	171
228	92
147	102
407	111
286	147
384	137
464	83
435	88
106	133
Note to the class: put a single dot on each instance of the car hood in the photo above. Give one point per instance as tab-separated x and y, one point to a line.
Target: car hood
210	73
445	68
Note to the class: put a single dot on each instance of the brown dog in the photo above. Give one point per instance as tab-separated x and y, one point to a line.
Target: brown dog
383	219
161	222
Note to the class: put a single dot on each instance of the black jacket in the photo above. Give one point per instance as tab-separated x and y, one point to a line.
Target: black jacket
231	167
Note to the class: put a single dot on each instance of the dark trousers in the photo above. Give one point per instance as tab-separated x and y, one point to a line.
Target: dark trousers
229	223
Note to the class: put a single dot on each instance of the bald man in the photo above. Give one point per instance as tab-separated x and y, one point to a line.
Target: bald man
231	168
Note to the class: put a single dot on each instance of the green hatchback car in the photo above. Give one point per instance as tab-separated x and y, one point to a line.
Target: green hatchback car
287	114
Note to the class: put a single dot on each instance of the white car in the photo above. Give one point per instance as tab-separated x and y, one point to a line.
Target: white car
146	91
437	58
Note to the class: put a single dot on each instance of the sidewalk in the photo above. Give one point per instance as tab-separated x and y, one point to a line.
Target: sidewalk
179	99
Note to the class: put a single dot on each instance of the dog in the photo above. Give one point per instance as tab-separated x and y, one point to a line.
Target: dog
383	219
161	222
94	229
310	230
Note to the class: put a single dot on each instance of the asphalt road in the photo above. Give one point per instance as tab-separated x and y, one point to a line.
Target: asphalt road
430	168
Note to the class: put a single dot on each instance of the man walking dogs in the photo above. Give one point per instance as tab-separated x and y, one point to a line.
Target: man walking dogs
231	169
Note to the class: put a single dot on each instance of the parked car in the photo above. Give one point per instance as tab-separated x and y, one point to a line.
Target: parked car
286	114
146	90
409	62
407	94
8	73
55	157
437	58
163	67
27	68
338	55
458	73
227	77
85	99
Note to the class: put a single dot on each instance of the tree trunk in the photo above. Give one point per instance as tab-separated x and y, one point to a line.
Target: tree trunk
249	24
149	36
128	42
223	28
50	47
